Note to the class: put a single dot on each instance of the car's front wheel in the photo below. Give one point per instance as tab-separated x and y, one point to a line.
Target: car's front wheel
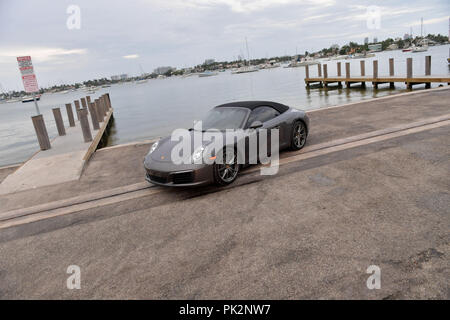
298	137
226	168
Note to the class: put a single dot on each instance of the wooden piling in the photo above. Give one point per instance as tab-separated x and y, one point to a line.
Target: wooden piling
107	102
108	99
363	68
375	73
77	107
375	69
427	70
409	71
391	67
70	114
94	119
41	132
88	99
85	125
319	70
427	65
325	71
83	103
391	72
103	104
59	121
338	65
99	111
307	72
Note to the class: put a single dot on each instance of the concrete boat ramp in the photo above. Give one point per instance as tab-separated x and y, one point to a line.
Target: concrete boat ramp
63	162
371	187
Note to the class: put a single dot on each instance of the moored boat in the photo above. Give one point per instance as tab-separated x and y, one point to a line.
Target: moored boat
207	74
245	69
31	98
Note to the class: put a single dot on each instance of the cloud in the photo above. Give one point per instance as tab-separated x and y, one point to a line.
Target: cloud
39	54
241	6
183	33
131	56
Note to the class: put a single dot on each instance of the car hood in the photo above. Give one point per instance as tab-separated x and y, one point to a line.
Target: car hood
163	152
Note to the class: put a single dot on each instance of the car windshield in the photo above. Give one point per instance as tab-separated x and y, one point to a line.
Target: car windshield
224	118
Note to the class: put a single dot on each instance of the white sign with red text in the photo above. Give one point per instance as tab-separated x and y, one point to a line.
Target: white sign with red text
28	77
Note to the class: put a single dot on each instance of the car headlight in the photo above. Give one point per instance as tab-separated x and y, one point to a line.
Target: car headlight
198	154
153	147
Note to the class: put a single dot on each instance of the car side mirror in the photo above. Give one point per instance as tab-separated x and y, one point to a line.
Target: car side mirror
256	124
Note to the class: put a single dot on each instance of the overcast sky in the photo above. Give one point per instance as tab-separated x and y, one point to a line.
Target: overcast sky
118	36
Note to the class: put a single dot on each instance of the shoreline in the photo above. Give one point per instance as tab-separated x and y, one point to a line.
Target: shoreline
148	141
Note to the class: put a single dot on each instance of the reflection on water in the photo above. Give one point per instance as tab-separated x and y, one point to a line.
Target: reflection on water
152	109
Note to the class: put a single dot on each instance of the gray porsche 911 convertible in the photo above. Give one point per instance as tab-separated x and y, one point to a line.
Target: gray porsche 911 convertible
247	117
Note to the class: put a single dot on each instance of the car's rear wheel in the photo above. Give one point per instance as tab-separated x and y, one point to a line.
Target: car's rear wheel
226	168
299	134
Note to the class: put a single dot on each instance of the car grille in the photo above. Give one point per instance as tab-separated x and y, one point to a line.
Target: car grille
183	177
157	178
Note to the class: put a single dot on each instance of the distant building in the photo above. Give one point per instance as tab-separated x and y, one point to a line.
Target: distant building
366	40
119	77
187	70
209	61
375	47
393	46
375	40
406	36
163	70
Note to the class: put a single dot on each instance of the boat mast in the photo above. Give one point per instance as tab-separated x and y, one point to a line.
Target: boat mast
421	27
248	54
142	70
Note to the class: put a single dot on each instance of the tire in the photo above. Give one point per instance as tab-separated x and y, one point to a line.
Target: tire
298	135
226	173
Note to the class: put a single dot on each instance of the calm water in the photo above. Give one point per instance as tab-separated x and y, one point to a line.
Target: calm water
155	108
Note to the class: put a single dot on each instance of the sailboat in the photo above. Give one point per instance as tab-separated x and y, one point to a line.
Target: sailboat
419	48
248	68
141	79
423	44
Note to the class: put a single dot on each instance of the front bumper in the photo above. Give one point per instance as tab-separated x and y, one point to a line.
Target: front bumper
184	175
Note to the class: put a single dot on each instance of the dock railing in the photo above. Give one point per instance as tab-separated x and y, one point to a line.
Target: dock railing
323	80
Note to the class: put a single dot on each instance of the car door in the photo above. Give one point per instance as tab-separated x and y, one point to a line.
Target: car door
267	115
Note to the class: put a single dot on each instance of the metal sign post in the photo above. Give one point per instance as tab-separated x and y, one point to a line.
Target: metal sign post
36	104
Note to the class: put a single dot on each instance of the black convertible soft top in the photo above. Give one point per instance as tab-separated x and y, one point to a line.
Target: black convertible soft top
254	104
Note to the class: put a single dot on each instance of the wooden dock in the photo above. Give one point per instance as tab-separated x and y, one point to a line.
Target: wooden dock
63	159
323	79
